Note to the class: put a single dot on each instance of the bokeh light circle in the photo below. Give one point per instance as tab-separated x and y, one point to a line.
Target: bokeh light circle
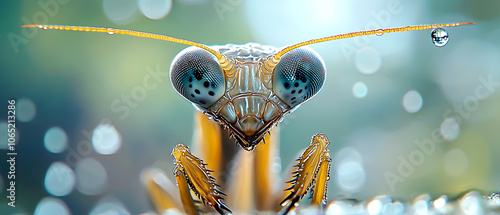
91	176
55	140
412	101
52	206
350	176
25	110
155	9
106	140
359	90
368	60
60	179
119	11
450	129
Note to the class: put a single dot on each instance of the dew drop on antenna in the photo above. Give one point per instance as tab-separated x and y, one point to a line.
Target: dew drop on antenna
439	37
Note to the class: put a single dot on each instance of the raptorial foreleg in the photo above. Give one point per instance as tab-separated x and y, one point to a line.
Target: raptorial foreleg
311	173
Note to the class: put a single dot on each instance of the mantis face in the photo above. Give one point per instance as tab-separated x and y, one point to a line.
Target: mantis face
246	99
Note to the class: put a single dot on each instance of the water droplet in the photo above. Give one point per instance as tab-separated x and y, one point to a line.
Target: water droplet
439	37
106	140
59	180
45	28
379	32
494	200
110	31
421	204
440	202
374	207
412	101
471	203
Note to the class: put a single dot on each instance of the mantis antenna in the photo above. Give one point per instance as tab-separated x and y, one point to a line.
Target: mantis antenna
274	59
225	63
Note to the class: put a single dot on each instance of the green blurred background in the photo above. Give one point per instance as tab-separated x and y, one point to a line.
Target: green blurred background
404	116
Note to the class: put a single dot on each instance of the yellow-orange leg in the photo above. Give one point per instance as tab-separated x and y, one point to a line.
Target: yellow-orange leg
250	178
311	173
191	174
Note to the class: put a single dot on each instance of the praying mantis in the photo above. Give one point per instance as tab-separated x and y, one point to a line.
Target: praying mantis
244	92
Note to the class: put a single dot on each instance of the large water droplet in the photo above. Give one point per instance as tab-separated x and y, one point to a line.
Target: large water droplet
439	37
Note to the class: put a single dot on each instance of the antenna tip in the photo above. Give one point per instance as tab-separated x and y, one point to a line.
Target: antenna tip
468	23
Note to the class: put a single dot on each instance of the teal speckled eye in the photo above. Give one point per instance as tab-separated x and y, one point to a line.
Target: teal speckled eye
197	76
299	76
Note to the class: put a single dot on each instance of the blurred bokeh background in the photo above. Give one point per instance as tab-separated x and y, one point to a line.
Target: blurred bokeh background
404	117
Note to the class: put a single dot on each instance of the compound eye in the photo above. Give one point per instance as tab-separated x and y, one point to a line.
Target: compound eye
197	76
299	76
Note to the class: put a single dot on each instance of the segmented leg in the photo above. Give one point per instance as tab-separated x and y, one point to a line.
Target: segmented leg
265	172
191	171
240	185
312	170
207	142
